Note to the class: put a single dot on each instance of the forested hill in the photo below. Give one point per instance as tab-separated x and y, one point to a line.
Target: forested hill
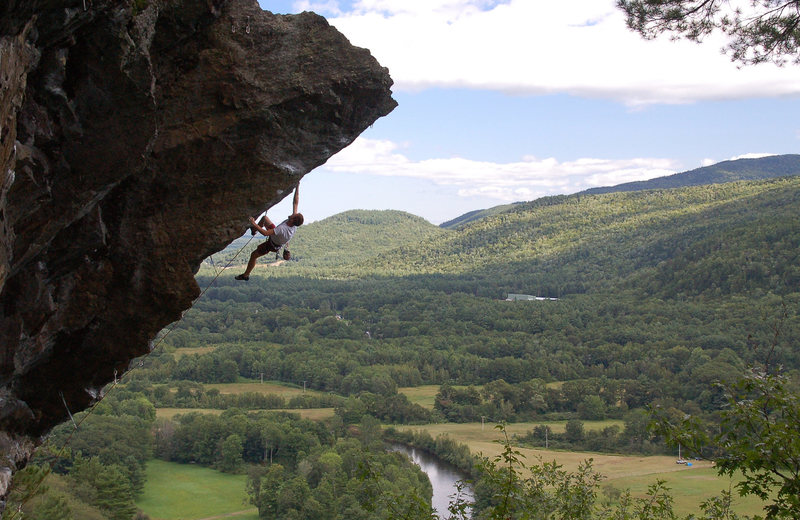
345	238
357	235
727	171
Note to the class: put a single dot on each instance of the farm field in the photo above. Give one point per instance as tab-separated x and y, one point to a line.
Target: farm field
425	395
266	387
170	413
189	351
189	492
315	414
690	485
422	395
467	432
690	488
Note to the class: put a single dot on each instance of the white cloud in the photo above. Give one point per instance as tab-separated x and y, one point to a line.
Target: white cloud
328	7
527	179
581	47
751	156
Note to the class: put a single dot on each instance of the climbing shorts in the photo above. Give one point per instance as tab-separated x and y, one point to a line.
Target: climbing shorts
267	247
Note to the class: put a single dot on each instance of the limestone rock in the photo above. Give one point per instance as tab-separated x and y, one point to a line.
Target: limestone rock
135	138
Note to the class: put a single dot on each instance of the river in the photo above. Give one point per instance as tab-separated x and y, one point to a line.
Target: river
443	476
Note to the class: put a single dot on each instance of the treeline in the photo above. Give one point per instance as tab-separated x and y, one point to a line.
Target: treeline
633	437
592	399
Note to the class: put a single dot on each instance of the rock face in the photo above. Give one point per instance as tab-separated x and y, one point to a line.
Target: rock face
135	138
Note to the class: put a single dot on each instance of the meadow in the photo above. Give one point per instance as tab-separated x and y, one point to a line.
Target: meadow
191	351
315	414
267	387
190	492
422	395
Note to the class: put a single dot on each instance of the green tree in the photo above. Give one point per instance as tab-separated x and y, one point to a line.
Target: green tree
263	486
114	493
53	507
573	430
757	437
769	31
592	408
27	484
231	454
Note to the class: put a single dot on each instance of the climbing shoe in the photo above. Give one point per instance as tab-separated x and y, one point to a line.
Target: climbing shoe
242	277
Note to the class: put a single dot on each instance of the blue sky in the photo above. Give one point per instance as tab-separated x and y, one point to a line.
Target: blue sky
502	101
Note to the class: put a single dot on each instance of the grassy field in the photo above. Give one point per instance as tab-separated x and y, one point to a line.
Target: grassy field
180	352
267	387
477	432
424	395
189	492
315	414
421	395
689	485
690	488
170	413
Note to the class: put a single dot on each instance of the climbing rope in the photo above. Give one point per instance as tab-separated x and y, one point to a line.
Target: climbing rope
77	425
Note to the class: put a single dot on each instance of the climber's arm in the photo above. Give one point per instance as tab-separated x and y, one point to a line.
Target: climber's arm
264	231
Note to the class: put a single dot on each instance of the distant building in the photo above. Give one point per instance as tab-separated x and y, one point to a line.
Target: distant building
527	298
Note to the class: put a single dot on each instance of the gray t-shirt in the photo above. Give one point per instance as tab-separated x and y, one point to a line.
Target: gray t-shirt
283	233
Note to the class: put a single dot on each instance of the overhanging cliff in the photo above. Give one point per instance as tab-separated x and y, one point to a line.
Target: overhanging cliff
135	138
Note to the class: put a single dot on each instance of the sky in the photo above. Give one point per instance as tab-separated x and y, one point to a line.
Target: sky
511	100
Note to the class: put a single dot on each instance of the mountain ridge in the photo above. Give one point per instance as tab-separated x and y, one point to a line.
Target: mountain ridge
726	171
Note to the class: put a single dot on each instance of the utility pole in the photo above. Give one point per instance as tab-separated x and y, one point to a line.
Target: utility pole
304	386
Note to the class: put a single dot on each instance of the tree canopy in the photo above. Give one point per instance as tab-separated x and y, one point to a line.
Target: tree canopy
759	30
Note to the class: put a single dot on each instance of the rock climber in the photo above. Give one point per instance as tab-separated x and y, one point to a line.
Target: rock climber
277	236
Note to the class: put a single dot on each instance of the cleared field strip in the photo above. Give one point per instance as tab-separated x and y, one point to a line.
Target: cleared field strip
421	395
467	432
315	414
170	413
180	352
261	388
425	395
